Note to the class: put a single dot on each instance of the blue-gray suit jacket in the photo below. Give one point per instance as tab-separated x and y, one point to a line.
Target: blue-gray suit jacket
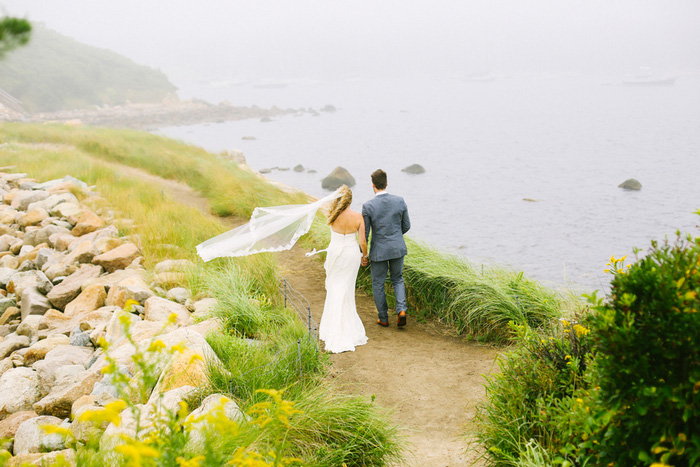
386	215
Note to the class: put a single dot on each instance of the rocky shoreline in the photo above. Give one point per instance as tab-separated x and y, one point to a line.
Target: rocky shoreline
171	112
68	283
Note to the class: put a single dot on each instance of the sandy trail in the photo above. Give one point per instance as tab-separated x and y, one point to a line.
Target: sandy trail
429	378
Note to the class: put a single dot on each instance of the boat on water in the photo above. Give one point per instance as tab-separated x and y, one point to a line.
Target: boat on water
646	78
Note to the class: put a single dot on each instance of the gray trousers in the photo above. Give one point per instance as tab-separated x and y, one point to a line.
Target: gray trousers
379	270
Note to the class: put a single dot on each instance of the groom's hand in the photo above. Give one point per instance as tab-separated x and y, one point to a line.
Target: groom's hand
364	261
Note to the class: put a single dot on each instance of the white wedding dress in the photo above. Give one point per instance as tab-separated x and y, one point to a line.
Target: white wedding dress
341	328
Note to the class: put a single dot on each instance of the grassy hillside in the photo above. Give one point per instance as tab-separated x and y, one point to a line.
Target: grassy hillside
54	72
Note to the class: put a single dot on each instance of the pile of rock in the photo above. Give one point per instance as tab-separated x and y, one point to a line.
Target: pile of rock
65	279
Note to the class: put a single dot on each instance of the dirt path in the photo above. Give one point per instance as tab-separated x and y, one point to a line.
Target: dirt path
431	379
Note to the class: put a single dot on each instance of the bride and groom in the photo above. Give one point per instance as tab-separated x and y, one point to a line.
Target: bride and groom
277	228
386	217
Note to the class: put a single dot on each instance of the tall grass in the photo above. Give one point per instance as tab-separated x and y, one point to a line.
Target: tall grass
230	189
477	301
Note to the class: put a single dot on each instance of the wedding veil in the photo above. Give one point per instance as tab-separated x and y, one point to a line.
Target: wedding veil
274	228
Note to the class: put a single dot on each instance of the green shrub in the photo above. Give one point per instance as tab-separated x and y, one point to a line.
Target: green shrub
530	398
647	341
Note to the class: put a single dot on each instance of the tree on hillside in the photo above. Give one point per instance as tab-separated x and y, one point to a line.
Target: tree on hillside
13	32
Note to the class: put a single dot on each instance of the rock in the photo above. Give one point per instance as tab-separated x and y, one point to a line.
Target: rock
66	390
64	457
265	171
8	427
5	364
67	210
21	281
60	356
90	299
118	258
299	168
23	199
39	350
67	290
54	200
107	244
338	178
177	294
81	339
42	235
414	169
160	309
33	217
9	261
33	303
9	310
110	280
61	241
82	401
29	327
19	390
87	223
85	252
328	108
204	306
249	138
30	434
630	184
169	279
12	342
131	288
266	120
176	265
212	406
57	270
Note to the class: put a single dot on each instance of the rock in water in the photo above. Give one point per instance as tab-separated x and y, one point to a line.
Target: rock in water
630	184
299	168
339	177
414	169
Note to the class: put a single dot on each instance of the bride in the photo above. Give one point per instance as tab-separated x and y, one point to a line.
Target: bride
341	328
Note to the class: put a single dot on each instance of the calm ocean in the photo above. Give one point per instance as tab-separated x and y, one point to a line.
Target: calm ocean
565	141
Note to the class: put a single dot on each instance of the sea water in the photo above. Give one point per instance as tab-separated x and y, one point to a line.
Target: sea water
521	171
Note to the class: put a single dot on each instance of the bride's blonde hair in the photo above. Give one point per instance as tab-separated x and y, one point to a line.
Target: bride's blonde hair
339	204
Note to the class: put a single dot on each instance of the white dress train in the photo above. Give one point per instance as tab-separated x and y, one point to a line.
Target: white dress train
341	328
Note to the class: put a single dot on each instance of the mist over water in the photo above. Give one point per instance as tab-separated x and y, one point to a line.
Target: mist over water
564	141
544	116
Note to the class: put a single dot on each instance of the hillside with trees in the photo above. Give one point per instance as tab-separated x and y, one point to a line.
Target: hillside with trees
54	72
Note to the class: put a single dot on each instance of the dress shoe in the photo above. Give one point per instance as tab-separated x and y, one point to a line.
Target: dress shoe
383	323
402	319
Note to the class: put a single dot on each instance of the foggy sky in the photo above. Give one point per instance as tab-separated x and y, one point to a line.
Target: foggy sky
329	39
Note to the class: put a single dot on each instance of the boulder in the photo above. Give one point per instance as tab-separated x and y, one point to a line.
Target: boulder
66	210
337	178
33	303
160	309
33	217
66	390
174	265
52	201
90	299
30	434
414	169
58	357
131	288
5	276
59	269
61	241
107	244
110	280
8	427
24	198
10	312
29	327
87	223
42	235
19	390
177	294
9	261
631	184
67	290
215	405
204	306
118	258
39	350
66	457
21	281
299	168
85	252
12	342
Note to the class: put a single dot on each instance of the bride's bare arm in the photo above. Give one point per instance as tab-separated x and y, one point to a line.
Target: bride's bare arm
363	240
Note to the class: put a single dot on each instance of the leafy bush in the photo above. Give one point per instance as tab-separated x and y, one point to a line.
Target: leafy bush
530	398
647	341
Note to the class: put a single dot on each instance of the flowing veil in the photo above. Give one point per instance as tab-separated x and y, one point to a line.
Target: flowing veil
274	228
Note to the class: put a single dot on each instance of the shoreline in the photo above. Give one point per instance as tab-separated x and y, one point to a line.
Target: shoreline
150	117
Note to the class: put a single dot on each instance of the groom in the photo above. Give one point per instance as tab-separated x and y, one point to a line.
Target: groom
386	216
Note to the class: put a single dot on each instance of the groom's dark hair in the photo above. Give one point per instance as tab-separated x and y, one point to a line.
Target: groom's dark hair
379	179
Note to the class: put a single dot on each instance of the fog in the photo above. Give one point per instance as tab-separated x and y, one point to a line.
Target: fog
329	39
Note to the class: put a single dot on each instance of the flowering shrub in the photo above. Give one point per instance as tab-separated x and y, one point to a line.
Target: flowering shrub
647	345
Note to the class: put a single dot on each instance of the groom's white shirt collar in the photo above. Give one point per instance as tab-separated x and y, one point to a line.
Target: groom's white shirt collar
383	192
